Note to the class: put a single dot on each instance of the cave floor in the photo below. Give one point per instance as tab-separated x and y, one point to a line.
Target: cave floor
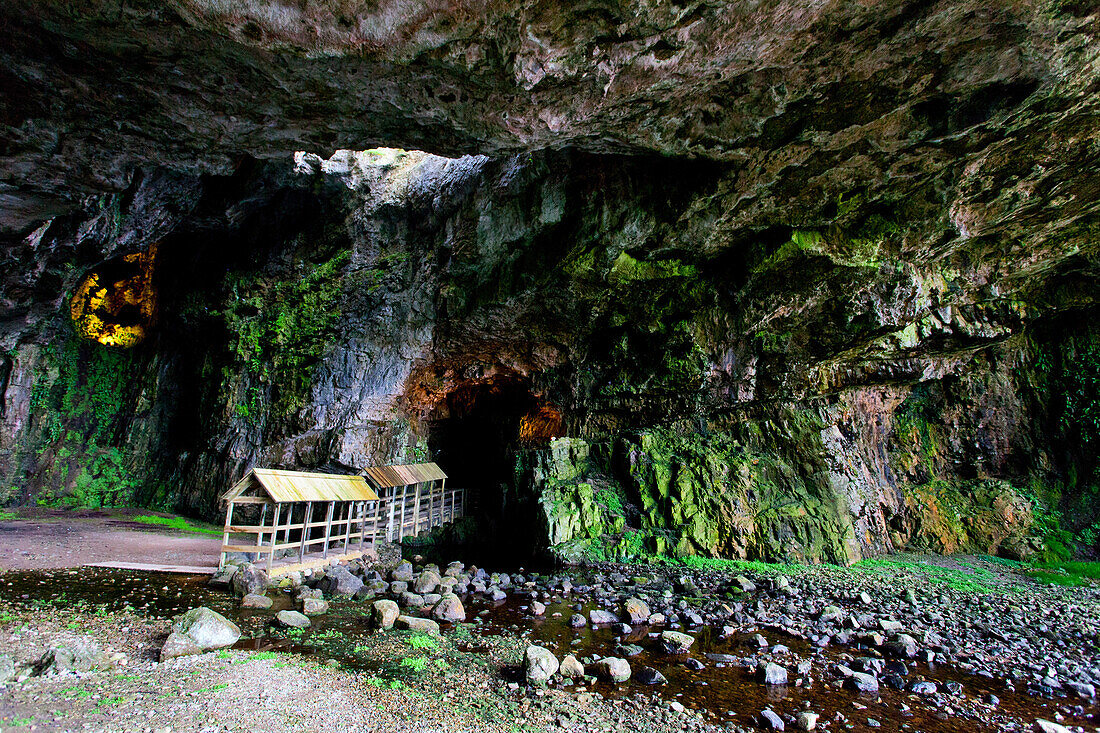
43	539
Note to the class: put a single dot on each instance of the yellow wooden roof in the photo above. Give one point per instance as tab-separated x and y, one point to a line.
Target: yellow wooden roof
287	486
384	477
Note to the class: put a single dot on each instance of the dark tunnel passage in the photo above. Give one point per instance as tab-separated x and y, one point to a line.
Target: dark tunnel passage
475	435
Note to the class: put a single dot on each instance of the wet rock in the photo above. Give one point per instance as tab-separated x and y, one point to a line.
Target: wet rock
496	594
862	682
923	688
292	620
613	669
694	664
383	613
649	676
1045	726
426	582
537	609
807	720
600	616
571	667
577	621
415	623
222	578
339	582
674	642
628	650
449	609
770	720
774	674
206	628
656	619
901	645
249	580
252	600
635	611
540	665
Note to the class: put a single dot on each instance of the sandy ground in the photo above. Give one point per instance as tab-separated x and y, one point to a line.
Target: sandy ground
72	539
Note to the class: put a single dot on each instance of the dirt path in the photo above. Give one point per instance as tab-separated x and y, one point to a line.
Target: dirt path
73	539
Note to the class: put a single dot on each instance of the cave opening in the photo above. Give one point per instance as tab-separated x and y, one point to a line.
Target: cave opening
476	434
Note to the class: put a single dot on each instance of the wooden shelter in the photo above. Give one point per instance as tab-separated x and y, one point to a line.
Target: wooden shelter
417	498
298	519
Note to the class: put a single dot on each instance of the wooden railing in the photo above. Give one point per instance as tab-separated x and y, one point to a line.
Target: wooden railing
410	510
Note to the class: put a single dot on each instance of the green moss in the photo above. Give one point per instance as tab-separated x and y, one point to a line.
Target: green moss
626	270
177	523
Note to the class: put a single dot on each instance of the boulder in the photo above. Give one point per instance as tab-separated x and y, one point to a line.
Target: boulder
426	582
649	676
1045	726
292	620
635	611
600	616
449	609
253	600
540	665
862	682
383	613
770	720
314	606
410	600
537	609
673	642
415	623
339	582
178	645
612	669
76	654
249	580
403	572
207	629
774	674
571	667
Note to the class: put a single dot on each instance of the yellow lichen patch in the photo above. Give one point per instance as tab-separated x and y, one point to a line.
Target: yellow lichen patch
116	303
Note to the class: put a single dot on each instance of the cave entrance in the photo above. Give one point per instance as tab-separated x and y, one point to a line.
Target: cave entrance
475	434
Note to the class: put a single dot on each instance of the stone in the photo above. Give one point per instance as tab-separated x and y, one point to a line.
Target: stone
251	600
292	620
770	720
384	613
862	682
649	676
600	616
314	606
577	621
571	667
340	582
411	600
249	580
222	578
415	623
402	573
76	654
398	587
178	645
612	669
674	642
807	720
923	688
426	582
206	628
449	609
1045	726
901	645
540	665
635	611
537	609
774	674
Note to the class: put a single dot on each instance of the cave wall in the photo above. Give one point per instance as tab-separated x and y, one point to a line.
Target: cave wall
819	386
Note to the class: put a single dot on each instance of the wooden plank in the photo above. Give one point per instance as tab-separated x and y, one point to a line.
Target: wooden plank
252	500
156	567
225	534
254	528
250	549
416	514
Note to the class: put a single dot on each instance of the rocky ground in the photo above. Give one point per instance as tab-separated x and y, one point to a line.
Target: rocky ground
908	643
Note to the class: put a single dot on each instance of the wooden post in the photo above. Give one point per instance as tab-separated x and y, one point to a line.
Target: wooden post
443	491
328	528
289	521
260	534
401	524
225	534
307	516
347	527
362	524
393	510
274	537
416	512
